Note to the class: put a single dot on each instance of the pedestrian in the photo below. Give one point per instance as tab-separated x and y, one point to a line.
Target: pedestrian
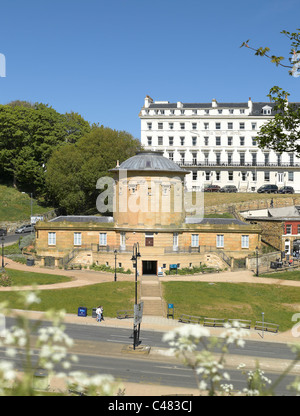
102	318
99	313
272	203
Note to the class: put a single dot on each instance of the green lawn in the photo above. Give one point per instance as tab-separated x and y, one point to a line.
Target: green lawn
113	296
21	278
289	275
234	301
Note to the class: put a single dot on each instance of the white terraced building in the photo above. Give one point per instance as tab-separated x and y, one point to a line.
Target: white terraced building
217	143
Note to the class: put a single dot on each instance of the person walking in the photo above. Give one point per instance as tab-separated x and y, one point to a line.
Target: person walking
102	317
99	313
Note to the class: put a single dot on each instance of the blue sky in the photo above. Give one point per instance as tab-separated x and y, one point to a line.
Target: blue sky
100	58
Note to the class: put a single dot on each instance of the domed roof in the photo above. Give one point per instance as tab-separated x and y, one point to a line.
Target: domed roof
150	161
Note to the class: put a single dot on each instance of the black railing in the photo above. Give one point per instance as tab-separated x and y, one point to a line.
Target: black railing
237	164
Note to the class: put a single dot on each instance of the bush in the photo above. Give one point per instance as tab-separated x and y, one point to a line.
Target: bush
104	268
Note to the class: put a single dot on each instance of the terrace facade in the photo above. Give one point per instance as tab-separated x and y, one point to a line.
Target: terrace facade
216	143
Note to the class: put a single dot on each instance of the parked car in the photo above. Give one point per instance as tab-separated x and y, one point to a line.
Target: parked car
286	190
212	188
3	231
25	229
229	188
268	189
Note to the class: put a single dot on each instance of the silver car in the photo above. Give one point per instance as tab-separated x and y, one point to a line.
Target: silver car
25	229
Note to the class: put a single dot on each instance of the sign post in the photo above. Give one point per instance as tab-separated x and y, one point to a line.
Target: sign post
137	320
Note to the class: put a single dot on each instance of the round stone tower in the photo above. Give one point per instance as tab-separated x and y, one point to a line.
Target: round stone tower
149	191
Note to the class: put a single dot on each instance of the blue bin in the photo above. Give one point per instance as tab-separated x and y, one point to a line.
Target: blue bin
82	311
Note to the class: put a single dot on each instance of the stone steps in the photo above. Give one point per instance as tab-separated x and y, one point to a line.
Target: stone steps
150	294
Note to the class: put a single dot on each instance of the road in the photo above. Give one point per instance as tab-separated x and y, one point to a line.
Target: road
96	346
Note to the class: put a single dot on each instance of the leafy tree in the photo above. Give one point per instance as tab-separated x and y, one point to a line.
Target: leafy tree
28	135
73	170
282	133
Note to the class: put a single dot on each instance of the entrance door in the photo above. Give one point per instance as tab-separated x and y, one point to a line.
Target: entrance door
149	267
280	177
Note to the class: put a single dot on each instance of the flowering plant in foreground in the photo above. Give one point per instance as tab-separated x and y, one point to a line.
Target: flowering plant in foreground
42	348
209	367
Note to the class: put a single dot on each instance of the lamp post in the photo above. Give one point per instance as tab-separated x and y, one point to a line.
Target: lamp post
2	241
134	258
115	253
256	261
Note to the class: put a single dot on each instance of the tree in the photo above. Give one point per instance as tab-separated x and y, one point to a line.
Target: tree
73	170
28	135
282	133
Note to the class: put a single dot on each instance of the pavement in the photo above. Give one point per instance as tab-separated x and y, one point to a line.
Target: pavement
157	323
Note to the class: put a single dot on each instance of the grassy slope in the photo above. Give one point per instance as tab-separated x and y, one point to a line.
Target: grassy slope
16	206
234	301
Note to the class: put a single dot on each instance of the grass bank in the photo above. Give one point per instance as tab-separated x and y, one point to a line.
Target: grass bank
22	278
234	301
16	206
286	275
113	296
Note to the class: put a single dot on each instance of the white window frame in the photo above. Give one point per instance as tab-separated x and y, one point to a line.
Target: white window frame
220	241
51	239
102	239
245	241
195	240
77	239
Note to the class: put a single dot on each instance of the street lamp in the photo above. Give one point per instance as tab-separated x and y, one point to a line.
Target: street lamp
134	258
115	253
2	241
256	261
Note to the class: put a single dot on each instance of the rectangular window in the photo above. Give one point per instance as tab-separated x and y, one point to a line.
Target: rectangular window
254	142
206	141
230	126
175	240
218	141
194	175
298	229
194	141
206	126
149	125
242	141
149	140
194	155
267	176
245	241
229	141
242	126
181	141
103	239
171	126
291	176
149	240
51	239
77	239
218	126
218	176
171	141
194	126
171	155
253	126
123	240
160	141
288	229
182	126
195	240
230	176
160	126
207	176
220	241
